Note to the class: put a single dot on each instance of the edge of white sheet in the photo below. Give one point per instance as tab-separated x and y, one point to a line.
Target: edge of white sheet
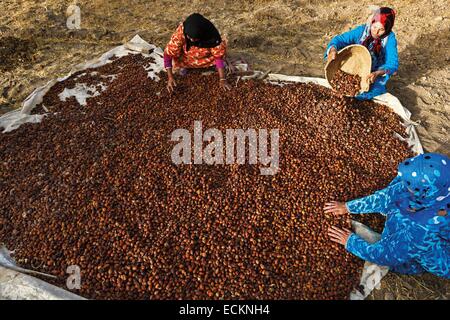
15	285
372	273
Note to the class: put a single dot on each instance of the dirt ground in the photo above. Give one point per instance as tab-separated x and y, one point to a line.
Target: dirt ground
282	36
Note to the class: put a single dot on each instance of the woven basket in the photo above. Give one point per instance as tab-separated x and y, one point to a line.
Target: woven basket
353	59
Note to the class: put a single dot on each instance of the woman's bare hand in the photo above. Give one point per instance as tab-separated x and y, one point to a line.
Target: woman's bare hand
371	77
225	85
339	235
336	208
374	75
332	54
171	84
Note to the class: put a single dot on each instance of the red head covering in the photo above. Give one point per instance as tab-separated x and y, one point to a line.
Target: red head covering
386	16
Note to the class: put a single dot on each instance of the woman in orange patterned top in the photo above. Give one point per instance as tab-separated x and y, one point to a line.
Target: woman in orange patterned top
195	44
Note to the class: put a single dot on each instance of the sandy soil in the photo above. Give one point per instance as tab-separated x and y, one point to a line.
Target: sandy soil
283	36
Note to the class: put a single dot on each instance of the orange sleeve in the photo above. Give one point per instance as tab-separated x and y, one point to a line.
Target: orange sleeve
175	46
219	51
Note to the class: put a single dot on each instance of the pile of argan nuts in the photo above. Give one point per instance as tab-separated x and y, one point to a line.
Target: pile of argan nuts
345	83
94	186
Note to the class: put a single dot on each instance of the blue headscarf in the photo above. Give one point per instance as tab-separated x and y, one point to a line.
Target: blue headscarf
427	179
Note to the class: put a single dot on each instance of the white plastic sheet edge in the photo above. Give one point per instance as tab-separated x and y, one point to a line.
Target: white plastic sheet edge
20	286
371	274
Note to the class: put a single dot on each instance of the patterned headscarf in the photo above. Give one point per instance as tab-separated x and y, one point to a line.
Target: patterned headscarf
386	16
427	178
198	27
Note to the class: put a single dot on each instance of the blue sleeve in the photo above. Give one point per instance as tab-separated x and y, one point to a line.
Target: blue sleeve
433	253
345	39
411	250
391	60
378	201
391	250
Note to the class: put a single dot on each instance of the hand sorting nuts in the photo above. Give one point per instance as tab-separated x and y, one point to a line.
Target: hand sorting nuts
94	186
345	83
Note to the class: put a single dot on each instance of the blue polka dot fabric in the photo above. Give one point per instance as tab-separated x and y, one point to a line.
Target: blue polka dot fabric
427	178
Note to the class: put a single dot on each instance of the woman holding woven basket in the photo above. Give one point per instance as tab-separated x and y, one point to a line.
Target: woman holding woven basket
377	36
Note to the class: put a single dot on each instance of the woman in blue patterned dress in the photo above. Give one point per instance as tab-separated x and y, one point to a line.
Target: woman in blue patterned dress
377	36
416	236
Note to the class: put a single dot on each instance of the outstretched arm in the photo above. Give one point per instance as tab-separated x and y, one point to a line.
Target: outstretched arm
376	202
219	53
391	250
345	39
390	65
173	50
385	71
